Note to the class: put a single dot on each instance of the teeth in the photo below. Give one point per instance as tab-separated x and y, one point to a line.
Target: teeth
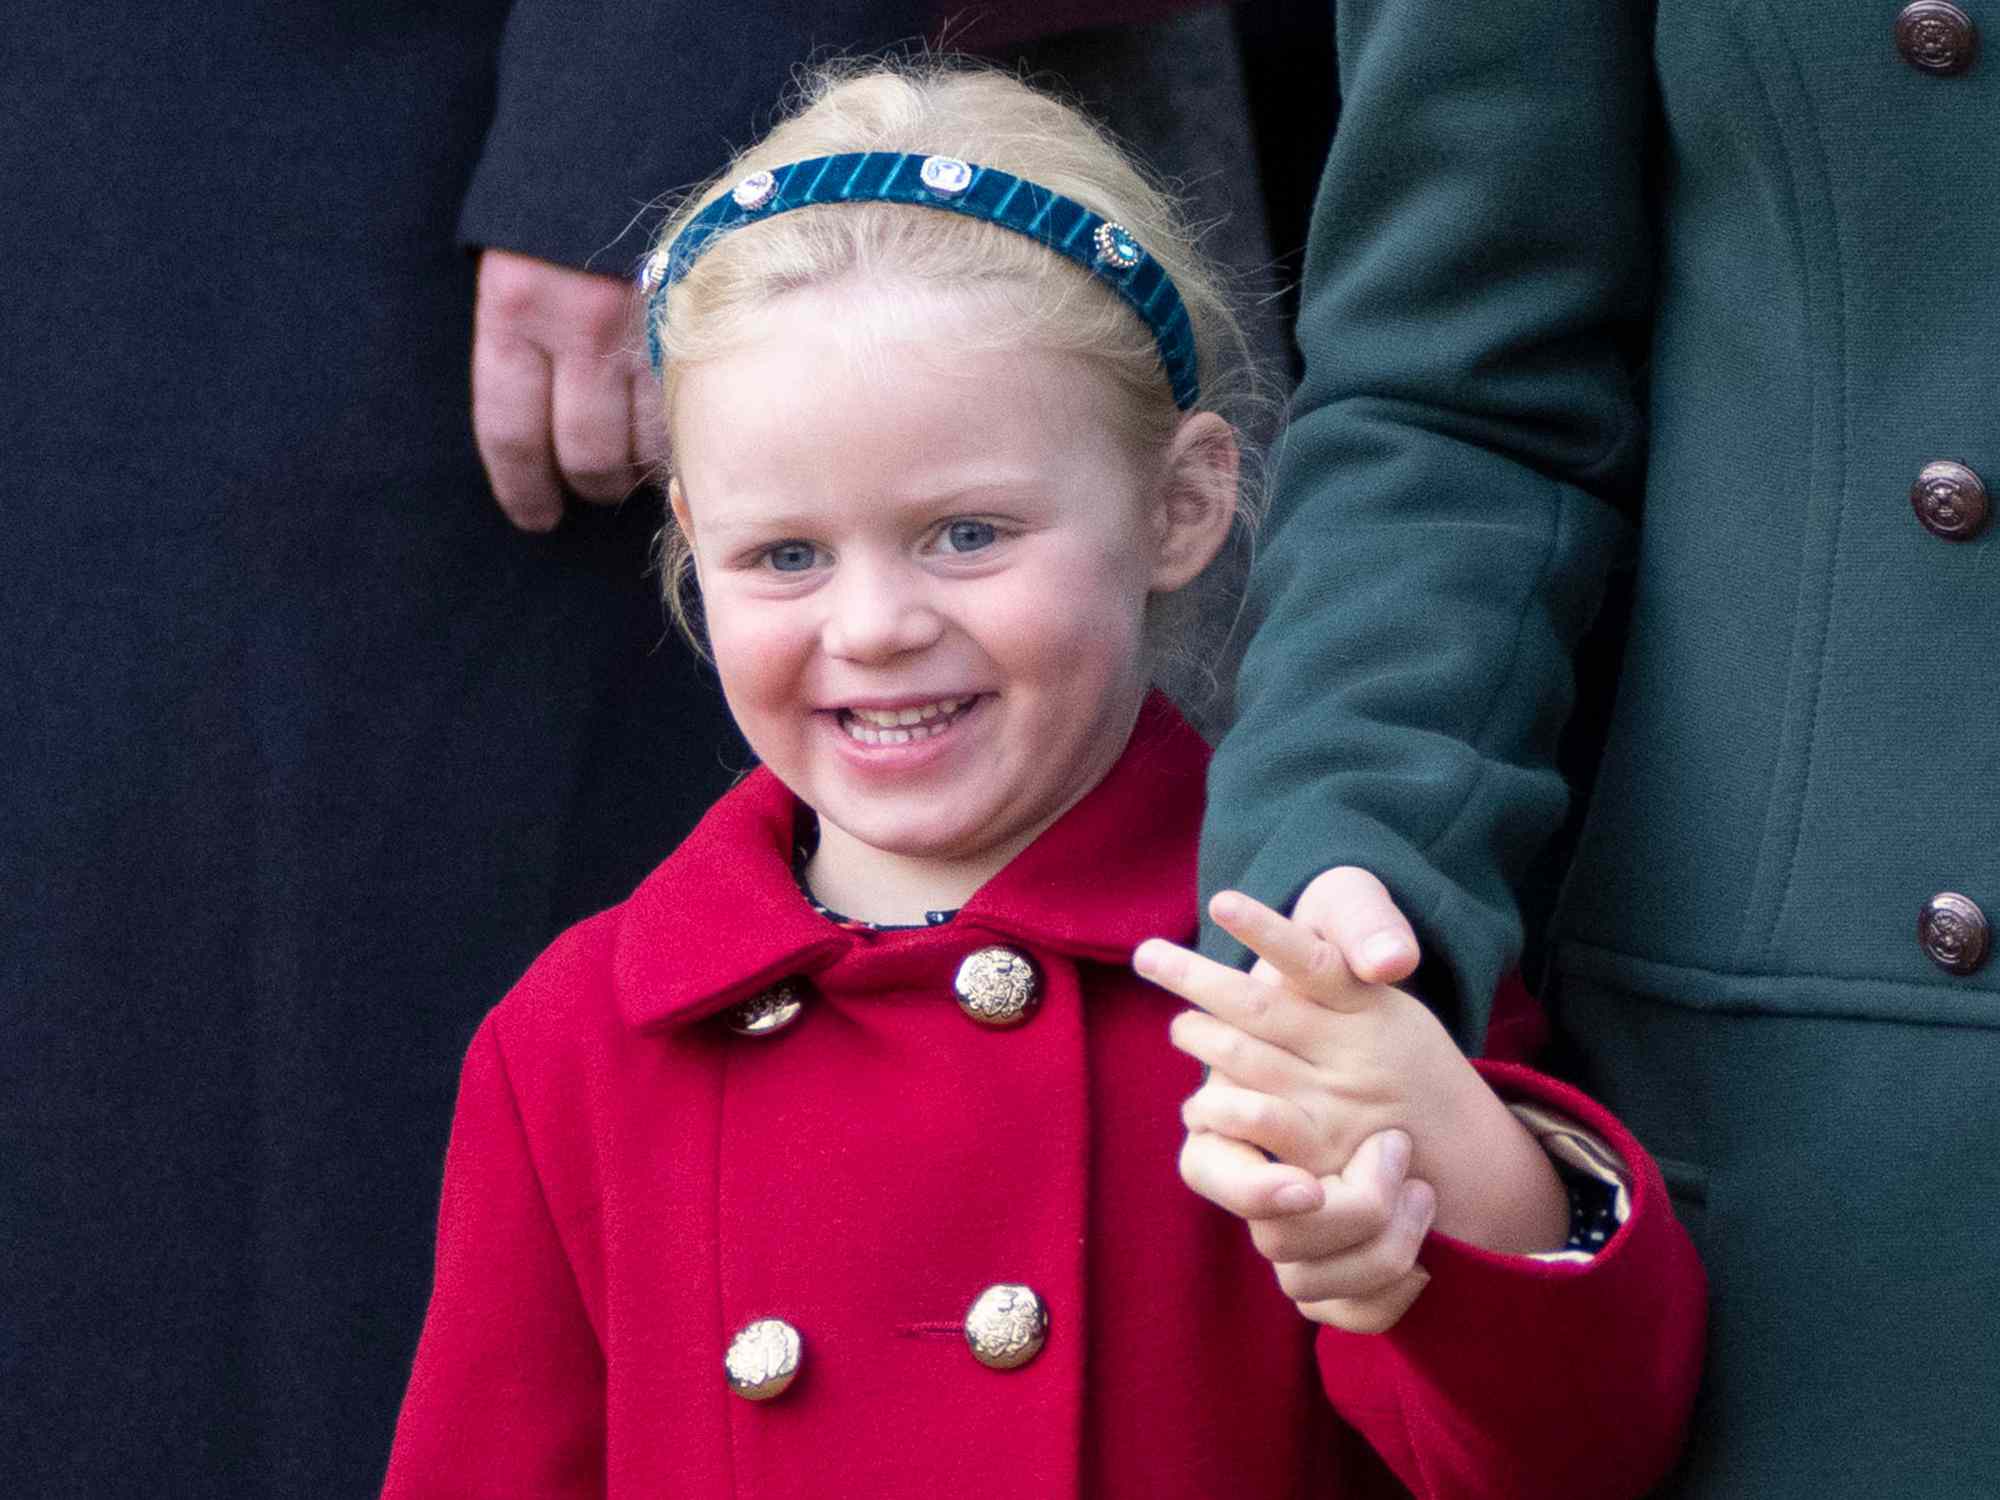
892	718
900	726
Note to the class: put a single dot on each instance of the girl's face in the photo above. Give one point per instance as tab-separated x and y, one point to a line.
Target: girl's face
924	568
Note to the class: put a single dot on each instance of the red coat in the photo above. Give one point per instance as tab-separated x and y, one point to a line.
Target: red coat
630	1182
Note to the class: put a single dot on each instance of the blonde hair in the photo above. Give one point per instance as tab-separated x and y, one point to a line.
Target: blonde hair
979	114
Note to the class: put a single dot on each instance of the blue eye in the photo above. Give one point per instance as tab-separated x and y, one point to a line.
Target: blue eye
792	557
969	536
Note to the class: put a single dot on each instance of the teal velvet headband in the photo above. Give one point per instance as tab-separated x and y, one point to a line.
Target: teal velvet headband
1106	250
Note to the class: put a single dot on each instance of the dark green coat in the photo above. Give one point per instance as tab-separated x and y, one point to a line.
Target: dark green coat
1730	271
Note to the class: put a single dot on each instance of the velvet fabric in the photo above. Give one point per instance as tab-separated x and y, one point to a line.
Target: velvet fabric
630	1182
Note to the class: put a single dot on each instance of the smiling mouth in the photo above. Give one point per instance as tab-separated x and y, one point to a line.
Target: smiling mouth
903	726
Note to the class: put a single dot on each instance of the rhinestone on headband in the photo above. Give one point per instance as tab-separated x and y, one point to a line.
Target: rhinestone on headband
754	191
1105	249
1116	247
654	274
945	175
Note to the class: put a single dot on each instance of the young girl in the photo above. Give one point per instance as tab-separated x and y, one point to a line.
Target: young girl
840	1158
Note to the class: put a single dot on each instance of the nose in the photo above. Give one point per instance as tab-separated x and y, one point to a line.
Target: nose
875	613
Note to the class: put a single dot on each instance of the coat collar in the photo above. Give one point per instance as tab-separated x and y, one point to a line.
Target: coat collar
723	917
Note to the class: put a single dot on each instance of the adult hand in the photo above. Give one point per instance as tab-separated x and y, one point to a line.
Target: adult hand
561	396
1354	912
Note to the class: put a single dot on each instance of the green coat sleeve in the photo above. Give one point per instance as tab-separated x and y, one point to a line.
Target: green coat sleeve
1447	501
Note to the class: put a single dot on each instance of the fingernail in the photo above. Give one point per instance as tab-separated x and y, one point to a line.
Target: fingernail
1415	1205
1396	1147
1385	950
1298	1197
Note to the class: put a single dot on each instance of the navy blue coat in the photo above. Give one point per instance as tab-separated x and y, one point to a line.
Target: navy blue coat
305	753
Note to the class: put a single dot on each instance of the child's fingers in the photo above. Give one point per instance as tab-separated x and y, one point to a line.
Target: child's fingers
1247	1002
1270	1122
1360	1203
1373	1267
1240	1057
1305	960
1376	1314
1237	1179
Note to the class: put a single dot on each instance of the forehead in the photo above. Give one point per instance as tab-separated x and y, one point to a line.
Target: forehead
885	390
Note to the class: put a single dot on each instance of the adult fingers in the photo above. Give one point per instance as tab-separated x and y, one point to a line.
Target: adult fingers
511	382
1354	911
1237	1179
649	422
591	417
553	397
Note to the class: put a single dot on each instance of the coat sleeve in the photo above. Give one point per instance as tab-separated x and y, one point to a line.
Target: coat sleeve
507	1395
601	108
1511	1376
1448	499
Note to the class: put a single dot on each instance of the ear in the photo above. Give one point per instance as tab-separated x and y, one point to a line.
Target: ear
683	519
1197	501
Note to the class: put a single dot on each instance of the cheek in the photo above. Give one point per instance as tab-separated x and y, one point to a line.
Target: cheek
1077	636
756	649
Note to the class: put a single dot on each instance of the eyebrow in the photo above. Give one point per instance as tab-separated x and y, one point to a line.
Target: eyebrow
785	515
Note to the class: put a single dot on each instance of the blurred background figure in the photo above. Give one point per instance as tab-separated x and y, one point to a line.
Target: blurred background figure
308	747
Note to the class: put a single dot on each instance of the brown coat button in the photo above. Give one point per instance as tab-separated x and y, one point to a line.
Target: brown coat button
1953	933
1936	36
1950	500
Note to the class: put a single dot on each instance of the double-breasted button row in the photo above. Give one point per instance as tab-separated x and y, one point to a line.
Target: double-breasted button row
1953	932
995	986
1005	1328
1935	36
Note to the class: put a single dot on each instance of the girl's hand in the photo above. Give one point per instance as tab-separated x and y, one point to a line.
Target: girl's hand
1348	1257
1307	1061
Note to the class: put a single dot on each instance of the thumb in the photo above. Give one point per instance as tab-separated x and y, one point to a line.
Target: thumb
1353	911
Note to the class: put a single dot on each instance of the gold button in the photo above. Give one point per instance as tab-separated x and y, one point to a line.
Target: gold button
763	1359
1007	1326
773	1010
996	987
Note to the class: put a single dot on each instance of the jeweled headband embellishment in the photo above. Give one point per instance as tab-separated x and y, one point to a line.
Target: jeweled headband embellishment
1116	247
755	190
1109	251
653	275
946	176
